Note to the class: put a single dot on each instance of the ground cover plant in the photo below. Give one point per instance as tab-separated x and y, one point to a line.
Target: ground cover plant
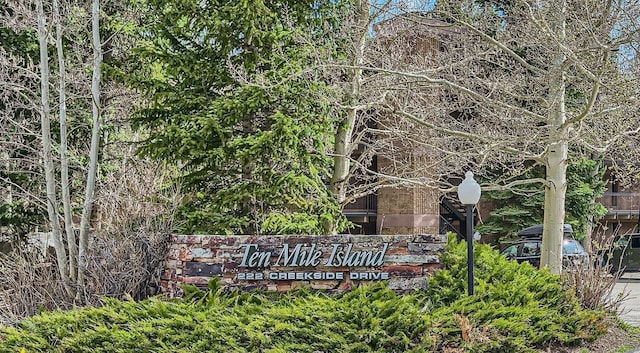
516	309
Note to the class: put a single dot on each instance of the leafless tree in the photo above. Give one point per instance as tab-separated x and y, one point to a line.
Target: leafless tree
69	183
498	89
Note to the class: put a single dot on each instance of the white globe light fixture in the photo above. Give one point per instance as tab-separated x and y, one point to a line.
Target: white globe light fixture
469	190
469	194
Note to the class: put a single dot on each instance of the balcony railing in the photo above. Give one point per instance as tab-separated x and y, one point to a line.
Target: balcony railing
446	226
364	206
621	203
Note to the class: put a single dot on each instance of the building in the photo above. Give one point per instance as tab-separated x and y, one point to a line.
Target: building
420	210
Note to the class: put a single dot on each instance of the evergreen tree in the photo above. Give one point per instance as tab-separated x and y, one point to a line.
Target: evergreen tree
518	210
252	156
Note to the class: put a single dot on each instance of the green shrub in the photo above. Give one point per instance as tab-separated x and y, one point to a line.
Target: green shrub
516	308
515	304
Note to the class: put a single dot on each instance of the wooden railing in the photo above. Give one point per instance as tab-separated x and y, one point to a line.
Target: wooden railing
626	202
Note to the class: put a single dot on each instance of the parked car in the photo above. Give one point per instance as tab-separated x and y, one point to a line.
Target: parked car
528	248
624	255
536	231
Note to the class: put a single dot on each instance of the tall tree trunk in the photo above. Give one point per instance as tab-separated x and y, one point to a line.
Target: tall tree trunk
557	160
343	146
47	156
554	203
95	142
64	162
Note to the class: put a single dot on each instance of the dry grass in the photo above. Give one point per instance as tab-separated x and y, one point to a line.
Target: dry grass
594	281
28	284
121	267
133	220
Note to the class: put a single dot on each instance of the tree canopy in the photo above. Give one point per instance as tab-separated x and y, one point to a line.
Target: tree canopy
254	157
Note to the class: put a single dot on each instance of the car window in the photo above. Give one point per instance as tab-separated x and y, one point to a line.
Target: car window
512	250
635	242
572	247
531	249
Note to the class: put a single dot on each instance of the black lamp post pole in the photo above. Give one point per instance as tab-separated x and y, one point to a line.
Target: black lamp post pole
470	260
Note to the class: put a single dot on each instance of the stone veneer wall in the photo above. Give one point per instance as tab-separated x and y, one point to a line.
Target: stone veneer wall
195	259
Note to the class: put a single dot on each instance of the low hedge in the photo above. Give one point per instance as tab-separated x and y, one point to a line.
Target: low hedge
516	309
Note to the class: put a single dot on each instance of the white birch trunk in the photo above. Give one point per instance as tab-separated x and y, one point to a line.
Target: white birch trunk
343	146
64	162
557	160
95	142
47	156
554	203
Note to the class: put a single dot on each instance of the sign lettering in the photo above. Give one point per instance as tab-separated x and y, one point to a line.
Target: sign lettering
311	255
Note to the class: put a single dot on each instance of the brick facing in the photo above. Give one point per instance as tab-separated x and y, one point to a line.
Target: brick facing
195	259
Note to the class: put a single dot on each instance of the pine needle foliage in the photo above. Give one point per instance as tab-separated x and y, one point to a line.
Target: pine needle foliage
515	211
516	309
251	156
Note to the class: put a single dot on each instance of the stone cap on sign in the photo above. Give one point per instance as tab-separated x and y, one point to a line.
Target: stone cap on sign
279	263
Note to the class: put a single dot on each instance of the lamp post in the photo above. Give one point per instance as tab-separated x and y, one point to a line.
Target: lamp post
469	195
